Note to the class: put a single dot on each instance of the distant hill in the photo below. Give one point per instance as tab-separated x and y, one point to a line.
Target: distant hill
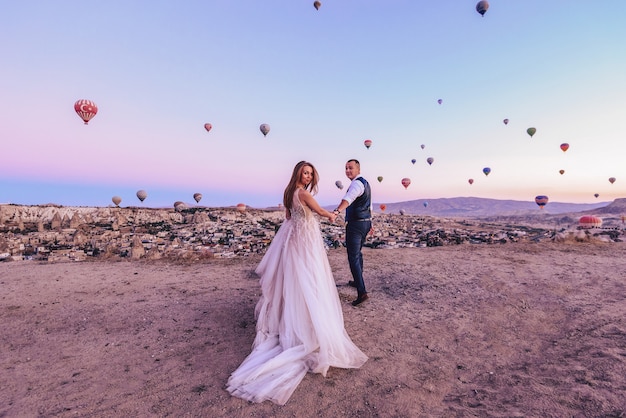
469	207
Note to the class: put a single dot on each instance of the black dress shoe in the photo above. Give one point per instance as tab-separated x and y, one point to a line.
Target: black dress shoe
362	298
352	283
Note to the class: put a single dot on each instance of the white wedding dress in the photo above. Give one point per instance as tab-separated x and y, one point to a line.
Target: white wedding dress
299	318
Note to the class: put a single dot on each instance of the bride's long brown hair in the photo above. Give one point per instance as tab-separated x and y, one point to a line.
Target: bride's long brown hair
295	176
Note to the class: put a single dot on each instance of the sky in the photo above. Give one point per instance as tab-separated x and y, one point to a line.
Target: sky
325	81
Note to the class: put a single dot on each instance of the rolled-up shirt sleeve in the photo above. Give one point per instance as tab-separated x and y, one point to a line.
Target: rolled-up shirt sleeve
355	190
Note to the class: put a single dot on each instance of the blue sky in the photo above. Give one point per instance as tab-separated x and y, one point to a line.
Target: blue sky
324	80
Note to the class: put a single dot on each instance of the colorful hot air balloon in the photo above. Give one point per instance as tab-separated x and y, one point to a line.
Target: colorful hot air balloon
413	160
596	195
339	184
367	143
486	170
422	146
470	181
561	172
564	146
482	6
439	101
116	200
380	179
86	109
265	128
241	207
406	182
141	195
531	131
430	160
590	221
208	126
383	207
541	201
317	5
612	180
197	197
506	121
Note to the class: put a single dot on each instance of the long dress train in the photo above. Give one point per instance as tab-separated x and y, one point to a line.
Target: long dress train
299	318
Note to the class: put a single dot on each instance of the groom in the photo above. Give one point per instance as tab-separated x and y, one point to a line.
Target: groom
357	202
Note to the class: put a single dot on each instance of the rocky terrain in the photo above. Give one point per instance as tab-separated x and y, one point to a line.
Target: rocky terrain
54	233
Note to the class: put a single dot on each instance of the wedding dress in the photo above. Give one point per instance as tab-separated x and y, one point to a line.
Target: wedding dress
299	318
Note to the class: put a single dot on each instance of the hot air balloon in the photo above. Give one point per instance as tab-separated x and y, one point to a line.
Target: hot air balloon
422	146
561	172
86	109
317	5
470	181
506	121
367	143
339	184
596	195
590	221
380	179
179	206
482	6
531	131
406	182
141	195
425	204
564	146
116	200
383	207
486	170
197	197
265	128
241	207
413	160
430	160
402	211
611	180
439	101
541	201
208	126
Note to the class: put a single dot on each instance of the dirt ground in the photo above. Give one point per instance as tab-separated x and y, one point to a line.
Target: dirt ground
513	330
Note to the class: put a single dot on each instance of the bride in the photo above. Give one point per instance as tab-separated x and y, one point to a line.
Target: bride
299	317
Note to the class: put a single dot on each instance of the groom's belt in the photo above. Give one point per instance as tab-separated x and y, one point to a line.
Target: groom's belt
359	220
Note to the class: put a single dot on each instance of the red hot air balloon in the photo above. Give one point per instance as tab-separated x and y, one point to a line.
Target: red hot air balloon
367	143
470	181
561	172
541	201
590	221
564	146
208	126
611	180
383	207
406	182
317	5
241	207
86	109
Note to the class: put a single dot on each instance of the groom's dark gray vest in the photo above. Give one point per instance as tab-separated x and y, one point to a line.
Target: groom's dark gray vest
360	209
